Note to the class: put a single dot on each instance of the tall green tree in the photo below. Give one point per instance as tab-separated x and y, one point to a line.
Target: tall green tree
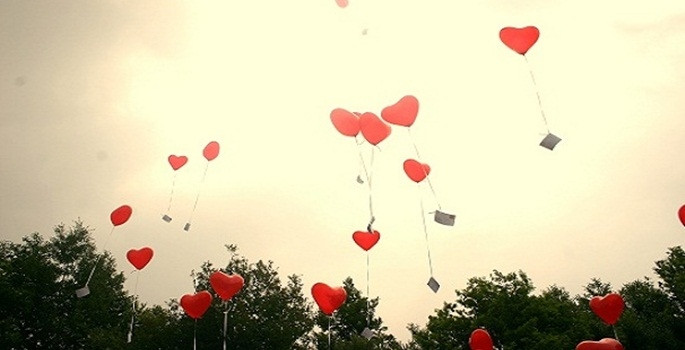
38	305
350	320
266	314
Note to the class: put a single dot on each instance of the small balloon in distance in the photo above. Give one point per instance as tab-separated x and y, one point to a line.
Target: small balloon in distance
120	215
519	39
177	162
211	151
342	3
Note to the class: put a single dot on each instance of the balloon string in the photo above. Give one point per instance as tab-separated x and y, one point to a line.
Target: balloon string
537	93
225	323
615	334
195	335
361	159
416	149
373	218
198	193
368	296
329	332
171	195
92	271
133	306
425	231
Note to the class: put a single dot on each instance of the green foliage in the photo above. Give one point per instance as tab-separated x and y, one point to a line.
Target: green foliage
38	306
349	321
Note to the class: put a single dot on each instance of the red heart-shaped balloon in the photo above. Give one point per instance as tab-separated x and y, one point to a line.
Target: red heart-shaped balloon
519	39
139	258
211	151
177	162
195	305
604	344
345	122
120	215
415	170
226	286
366	240
403	112
480	340
681	214
373	128
609	307
329	299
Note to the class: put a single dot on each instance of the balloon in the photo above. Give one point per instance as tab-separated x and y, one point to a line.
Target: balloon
403	112
120	215
195	305
177	162
341	3
345	122
609	308
681	214
366	240
519	39
480	340
329	299
604	344
211	151
373	128
224	285
139	258
415	170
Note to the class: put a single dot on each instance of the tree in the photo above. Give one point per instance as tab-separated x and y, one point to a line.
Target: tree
265	314
350	320
515	318
38	306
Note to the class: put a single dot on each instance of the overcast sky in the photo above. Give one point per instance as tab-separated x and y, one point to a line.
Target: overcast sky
94	95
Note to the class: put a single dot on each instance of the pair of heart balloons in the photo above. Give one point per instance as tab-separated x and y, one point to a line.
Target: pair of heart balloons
374	130
210	152
480	340
225	286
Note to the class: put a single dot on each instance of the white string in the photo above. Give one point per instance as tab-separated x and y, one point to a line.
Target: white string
90	276
225	322
198	193
368	295
425	231
133	314
418	156
537	93
171	196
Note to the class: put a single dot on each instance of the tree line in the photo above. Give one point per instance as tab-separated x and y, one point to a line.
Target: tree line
39	309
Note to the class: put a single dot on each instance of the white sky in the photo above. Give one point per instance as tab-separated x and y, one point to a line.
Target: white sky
94	95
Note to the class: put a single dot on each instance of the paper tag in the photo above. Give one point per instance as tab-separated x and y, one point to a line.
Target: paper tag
367	333
130	335
359	179
82	292
550	141
186	227
433	284
166	218
366	30
444	218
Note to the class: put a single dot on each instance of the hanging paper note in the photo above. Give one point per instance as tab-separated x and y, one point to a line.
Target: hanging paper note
444	218
433	284
550	141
